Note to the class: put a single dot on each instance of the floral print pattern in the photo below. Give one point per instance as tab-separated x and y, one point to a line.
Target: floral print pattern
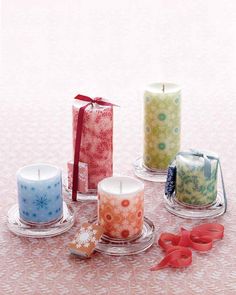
192	187
41	203
121	217
161	128
83	176
97	142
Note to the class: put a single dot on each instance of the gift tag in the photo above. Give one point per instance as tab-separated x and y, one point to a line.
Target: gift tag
86	240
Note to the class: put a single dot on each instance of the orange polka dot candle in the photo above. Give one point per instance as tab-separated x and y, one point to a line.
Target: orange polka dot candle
120	207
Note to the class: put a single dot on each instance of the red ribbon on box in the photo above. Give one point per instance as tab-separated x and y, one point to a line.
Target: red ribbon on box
79	129
200	238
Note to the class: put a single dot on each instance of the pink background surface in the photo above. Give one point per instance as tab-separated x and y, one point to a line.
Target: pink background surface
53	50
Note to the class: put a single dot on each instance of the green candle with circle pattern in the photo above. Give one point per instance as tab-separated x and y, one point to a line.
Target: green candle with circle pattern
192	186
162	111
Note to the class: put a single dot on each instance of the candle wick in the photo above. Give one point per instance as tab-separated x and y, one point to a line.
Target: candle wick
120	187
39	174
163	87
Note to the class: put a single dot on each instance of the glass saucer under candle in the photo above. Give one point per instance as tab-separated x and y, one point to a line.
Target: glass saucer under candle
121	214
162	106
196	195
89	196
123	247
24	229
40	211
217	208
143	172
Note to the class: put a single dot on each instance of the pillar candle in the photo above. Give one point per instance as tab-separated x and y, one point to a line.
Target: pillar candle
120	210
96	142
161	124
82	177
40	193
192	186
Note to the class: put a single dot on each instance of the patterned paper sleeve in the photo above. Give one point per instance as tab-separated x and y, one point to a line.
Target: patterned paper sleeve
192	187
161	125
83	176
97	142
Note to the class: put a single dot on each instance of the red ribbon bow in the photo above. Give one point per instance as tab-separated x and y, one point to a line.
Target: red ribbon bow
90	101
200	238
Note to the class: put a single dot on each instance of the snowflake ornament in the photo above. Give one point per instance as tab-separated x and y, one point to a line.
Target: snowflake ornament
85	237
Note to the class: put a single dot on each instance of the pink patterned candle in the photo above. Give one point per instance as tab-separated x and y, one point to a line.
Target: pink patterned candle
96	143
83	176
120	210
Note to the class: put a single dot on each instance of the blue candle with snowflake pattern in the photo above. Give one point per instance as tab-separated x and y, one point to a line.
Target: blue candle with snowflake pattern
40	193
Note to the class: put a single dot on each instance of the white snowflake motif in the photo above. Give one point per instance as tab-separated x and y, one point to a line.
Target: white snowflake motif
85	237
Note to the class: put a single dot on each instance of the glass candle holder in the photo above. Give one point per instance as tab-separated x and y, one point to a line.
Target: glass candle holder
121	207
40	194
195	188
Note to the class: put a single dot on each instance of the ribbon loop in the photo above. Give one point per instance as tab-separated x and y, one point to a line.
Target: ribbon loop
176	257
83	98
200	238
214	230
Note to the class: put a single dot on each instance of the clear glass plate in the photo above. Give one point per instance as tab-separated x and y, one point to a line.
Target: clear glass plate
148	174
119	247
196	212
91	195
20	228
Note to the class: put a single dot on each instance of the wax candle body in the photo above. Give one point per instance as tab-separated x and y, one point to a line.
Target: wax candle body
192	187
40	193
161	124
121	207
96	142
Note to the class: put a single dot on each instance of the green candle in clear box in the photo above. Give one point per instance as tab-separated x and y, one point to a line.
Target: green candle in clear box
162	113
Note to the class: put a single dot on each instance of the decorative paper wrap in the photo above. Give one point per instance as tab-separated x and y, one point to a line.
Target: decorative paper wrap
40	201
83	176
121	216
161	124
170	180
86	240
96	147
193	186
